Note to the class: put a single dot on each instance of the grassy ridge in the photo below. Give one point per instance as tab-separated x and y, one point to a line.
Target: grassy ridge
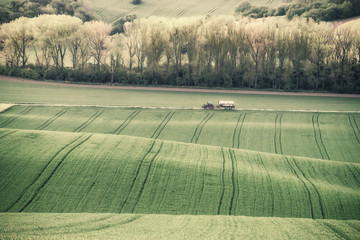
24	92
120	174
329	136
139	226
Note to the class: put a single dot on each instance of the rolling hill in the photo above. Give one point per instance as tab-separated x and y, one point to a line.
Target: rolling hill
110	11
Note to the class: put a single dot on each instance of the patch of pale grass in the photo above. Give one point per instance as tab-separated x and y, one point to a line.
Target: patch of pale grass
4	106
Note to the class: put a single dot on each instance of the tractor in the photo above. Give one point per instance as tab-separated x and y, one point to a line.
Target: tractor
208	105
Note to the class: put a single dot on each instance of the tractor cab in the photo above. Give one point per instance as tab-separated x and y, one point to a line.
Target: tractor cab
208	105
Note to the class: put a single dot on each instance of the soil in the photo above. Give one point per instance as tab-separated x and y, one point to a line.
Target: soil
176	89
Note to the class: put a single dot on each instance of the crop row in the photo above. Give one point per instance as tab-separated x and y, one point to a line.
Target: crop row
45	171
333	136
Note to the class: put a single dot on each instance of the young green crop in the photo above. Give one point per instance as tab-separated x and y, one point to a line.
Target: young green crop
24	92
83	172
329	136
139	226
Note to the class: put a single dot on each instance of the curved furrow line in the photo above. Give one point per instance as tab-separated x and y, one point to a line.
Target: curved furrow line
183	12
354	126
130	150
277	135
99	12
321	141
7	134
36	192
76	229
40	173
236	131
89	121
338	233
222	181
233	182
51	120
162	125
197	128
241	126
317	135
211	11
352	173
146	176
200	127
203	167
154	13
136	176
270	184
304	184
314	187
127	221
10	120
90	187
126	122
70	225
68	185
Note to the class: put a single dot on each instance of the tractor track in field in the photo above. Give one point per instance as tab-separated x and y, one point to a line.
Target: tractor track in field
126	122
182	12
91	186
10	120
51	120
238	129
304	184
222	182
313	186
211	11
203	164
118	170
162	125
270	184
147	176
89	121
354	127
7	134
340	234
200	126
54	170
42	172
277	135
136	177
102	16
318	138
233	182
154	13
352	173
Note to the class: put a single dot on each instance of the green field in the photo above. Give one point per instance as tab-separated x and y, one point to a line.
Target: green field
110	172
24	92
114	9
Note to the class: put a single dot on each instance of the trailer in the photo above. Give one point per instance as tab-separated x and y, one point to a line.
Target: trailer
226	104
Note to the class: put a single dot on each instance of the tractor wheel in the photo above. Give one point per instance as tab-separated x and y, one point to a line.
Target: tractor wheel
211	107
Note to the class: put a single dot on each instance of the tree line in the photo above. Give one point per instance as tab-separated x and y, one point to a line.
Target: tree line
318	10
219	51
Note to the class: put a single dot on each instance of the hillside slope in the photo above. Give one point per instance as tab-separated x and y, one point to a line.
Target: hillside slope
47	171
